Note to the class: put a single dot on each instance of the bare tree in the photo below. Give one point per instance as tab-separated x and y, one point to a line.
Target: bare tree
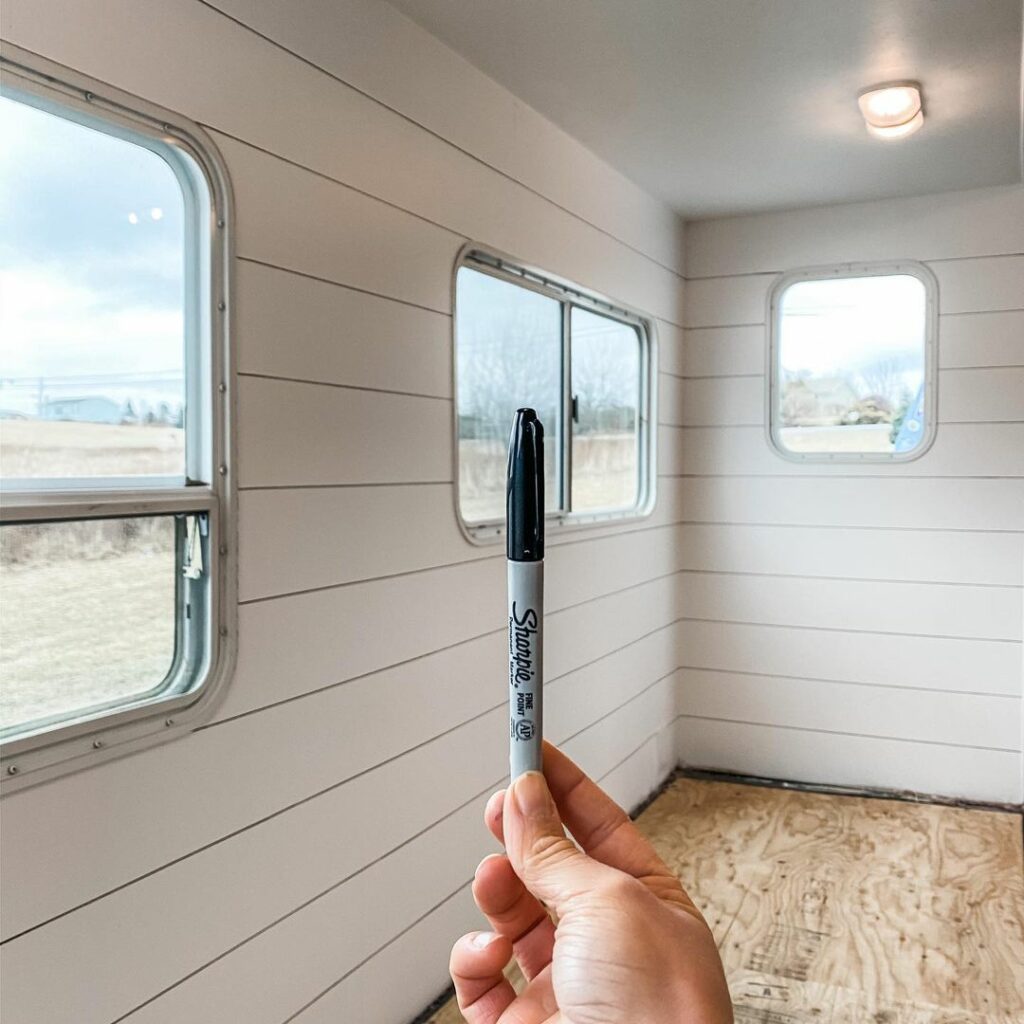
884	378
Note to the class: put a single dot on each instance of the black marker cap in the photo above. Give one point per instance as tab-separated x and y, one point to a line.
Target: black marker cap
524	490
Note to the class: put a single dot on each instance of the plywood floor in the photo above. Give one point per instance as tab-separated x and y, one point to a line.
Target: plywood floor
847	910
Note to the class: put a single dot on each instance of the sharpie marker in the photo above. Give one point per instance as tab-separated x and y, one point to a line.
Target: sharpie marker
525	513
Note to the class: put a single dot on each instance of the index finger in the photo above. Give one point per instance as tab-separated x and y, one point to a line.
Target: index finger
598	823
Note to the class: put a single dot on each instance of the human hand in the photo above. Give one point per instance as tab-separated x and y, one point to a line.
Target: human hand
629	946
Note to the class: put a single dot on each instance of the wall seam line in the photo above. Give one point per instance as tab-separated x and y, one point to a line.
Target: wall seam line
786	677
854	735
465	152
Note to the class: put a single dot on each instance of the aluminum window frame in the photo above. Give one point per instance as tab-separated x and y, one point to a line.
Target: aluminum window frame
485	260
841	271
207	490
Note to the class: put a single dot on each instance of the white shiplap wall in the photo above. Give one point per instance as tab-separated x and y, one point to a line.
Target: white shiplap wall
315	841
857	625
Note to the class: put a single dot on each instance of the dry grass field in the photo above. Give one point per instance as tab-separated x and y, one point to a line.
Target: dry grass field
35	448
77	632
604	475
873	437
88	608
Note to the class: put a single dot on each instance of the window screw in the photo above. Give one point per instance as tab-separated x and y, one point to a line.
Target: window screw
89	97
222	387
223	549
12	769
220	223
222	469
223	630
97	744
222	305
168	721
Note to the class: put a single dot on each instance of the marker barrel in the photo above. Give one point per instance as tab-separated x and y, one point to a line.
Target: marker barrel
525	665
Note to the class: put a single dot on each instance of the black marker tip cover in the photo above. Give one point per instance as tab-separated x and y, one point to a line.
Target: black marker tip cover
525	534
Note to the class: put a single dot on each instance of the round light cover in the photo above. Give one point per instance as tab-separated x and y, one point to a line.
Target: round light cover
892	110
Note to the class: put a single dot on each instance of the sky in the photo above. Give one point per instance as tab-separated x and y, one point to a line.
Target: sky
844	325
91	263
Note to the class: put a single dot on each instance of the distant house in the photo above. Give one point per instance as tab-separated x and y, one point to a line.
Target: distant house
834	394
92	409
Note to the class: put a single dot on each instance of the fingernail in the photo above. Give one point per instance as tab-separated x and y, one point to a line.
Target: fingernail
531	795
482	939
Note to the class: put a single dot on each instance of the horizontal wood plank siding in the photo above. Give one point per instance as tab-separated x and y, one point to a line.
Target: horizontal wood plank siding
855	624
949	226
230	875
812	756
961	450
468	111
886	712
919	662
301	328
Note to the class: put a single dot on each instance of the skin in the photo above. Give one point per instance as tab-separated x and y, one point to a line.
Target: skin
630	947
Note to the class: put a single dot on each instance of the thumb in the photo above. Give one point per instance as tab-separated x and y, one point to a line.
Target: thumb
550	864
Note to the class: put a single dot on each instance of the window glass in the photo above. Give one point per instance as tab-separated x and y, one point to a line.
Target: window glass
606	412
89	615
850	366
509	356
92	265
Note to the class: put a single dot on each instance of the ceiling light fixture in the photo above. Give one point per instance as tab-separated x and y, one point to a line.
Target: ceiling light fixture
892	110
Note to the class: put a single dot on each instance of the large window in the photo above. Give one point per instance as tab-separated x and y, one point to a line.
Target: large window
584	365
113	457
852	363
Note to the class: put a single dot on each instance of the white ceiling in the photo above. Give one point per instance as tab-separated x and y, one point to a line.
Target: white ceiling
723	106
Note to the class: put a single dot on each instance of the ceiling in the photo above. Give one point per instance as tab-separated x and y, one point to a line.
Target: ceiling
729	106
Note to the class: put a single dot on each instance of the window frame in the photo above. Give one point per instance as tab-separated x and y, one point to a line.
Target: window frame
485	260
103	732
841	271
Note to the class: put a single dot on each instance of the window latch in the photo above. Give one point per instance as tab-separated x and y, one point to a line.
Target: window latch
193	567
575	408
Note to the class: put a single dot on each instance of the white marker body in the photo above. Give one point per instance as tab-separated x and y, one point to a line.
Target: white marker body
525	665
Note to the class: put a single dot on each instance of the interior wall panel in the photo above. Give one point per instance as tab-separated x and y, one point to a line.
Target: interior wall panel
301	328
359	735
467	110
856	623
960	450
977	223
902	765
911	661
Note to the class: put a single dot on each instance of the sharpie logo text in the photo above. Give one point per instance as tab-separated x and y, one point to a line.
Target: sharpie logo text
522	628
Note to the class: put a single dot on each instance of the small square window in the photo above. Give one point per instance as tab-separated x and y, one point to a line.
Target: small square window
584	365
852	363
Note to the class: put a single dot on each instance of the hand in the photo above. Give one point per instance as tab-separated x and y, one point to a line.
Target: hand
629	948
